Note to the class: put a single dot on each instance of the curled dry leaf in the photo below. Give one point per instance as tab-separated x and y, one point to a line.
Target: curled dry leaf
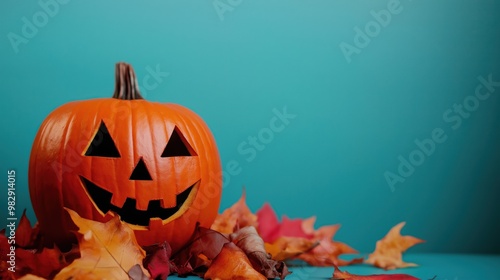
232	264
157	260
108	251
389	250
344	275
248	240
235	217
197	254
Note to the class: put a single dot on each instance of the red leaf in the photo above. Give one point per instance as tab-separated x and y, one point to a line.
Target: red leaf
344	275
271	229
25	234
5	273
45	263
157	260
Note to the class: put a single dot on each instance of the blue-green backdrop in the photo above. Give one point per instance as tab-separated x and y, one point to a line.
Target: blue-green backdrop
363	80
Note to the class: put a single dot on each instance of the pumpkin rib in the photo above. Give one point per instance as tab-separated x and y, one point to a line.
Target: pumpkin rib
63	151
96	121
153	143
129	138
180	118
132	141
182	111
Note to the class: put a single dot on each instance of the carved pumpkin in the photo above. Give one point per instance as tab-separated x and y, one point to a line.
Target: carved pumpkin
155	165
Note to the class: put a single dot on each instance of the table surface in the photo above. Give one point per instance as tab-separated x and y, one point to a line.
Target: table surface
431	266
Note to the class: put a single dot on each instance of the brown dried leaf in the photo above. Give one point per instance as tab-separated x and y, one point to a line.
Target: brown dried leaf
248	240
197	254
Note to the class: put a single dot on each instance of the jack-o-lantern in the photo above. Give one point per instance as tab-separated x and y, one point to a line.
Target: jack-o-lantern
155	165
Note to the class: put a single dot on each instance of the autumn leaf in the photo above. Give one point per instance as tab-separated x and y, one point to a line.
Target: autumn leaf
108	251
44	262
295	235
25	234
31	277
285	248
271	229
344	275
248	240
157	260
235	217
389	250
232	264
328	251
5	273
198	253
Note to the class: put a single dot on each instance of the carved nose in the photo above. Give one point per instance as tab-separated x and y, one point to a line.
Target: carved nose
141	172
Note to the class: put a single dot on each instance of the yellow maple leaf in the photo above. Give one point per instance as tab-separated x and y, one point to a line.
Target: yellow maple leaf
389	250
108	251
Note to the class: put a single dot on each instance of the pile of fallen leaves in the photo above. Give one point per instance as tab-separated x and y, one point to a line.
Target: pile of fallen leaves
239	245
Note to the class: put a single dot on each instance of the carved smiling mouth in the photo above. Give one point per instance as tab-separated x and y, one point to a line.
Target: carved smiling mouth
129	213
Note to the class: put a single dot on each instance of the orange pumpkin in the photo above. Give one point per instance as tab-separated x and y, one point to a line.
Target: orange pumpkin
155	165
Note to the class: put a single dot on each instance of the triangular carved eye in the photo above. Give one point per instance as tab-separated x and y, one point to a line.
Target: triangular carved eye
177	146
102	145
140	172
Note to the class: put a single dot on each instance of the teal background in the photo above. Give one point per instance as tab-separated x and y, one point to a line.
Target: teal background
352	120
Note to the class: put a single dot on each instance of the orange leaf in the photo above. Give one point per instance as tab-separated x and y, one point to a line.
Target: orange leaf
297	232
389	250
248	240
328	251
232	264
285	248
108	251
235	217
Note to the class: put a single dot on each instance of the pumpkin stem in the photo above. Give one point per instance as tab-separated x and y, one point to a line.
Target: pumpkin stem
126	86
